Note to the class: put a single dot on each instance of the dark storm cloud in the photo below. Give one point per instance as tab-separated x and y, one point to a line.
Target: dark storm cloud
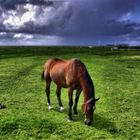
102	17
70	18
10	4
34	16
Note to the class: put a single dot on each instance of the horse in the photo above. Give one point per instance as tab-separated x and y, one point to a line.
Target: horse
71	74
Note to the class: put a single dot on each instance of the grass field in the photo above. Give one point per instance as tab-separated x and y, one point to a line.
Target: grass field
116	78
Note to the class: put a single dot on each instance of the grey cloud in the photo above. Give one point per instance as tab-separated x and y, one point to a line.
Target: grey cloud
10	4
94	17
36	17
71	18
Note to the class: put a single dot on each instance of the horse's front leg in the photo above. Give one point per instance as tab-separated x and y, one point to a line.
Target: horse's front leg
70	94
78	91
58	93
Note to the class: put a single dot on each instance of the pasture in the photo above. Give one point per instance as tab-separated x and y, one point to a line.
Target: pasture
116	77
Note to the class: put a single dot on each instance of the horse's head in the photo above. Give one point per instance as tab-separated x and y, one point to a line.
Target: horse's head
88	108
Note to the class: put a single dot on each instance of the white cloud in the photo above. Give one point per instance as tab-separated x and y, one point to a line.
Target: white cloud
23	36
24	39
36	16
30	13
126	17
15	19
2	33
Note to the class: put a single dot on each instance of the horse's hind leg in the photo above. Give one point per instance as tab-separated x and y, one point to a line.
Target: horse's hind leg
58	93
76	101
48	82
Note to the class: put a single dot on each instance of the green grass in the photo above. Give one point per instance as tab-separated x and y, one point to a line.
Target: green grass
116	78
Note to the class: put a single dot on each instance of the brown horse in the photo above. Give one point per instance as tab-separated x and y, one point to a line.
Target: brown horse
71	74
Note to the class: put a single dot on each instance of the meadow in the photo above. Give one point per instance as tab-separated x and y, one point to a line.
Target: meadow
116	76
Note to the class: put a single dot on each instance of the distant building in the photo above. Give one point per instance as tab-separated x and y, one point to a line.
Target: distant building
90	47
114	48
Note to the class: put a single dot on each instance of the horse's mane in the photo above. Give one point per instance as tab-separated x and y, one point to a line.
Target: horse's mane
87	78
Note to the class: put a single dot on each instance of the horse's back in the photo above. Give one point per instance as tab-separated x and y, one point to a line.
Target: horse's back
56	61
51	62
64	73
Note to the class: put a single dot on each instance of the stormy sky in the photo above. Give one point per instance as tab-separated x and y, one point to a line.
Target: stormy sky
69	22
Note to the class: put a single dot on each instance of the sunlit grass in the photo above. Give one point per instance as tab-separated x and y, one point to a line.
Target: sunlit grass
116	78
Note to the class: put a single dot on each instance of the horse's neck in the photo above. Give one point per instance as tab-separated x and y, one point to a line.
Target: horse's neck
88	89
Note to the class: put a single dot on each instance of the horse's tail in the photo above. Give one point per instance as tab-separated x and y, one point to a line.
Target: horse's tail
42	75
47	68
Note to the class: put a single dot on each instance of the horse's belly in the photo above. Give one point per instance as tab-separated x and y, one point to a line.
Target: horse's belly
60	83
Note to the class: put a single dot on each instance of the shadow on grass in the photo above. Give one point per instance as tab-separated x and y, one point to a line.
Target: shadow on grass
102	123
17	76
22	51
99	122
43	128
14	52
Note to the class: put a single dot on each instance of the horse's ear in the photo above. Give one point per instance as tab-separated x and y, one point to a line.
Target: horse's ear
96	99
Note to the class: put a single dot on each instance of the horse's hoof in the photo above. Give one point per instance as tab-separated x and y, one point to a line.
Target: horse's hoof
87	122
61	109
69	120
50	107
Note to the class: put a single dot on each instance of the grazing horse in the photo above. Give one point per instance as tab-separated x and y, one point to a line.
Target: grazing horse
71	74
